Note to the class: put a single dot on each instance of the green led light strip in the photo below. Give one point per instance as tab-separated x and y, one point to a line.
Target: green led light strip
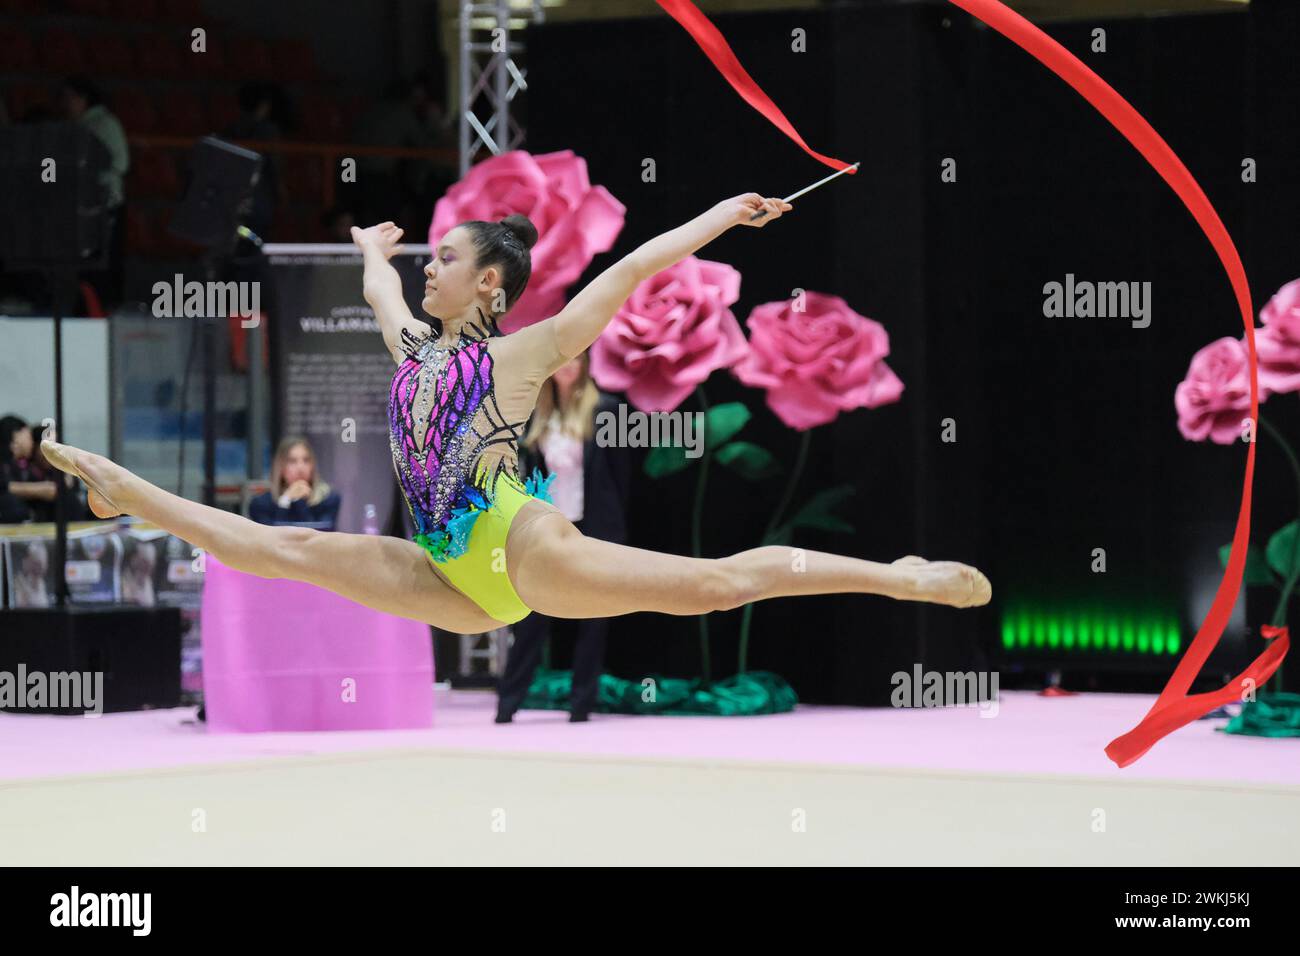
1090	632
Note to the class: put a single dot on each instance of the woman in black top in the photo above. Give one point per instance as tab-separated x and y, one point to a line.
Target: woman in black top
298	494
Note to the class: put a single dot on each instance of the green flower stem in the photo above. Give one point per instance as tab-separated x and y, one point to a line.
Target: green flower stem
697	515
1279	613
748	613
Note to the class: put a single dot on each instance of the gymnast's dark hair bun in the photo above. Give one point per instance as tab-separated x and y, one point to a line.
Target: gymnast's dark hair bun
522	227
505	243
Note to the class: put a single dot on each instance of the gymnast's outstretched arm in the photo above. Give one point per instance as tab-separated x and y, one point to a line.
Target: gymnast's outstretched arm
586	315
382	286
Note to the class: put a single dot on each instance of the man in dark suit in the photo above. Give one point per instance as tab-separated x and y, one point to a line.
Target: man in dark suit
605	473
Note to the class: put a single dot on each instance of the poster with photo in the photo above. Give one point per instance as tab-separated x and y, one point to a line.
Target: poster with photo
161	570
92	567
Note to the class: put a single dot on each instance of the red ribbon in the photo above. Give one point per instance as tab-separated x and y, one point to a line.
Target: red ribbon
716	49
1173	708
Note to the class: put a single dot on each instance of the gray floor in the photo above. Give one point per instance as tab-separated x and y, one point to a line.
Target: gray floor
426	807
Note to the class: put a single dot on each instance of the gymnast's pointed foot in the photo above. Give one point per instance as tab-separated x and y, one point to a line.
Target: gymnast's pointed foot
948	582
97	472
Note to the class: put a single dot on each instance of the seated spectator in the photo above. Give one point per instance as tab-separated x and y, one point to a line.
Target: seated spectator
26	489
298	495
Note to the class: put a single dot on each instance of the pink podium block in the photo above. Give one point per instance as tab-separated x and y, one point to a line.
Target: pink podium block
283	655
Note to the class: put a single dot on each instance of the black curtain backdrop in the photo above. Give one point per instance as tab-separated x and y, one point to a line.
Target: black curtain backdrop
1066	436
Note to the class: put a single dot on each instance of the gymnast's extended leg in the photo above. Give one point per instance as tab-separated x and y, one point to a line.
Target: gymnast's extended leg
558	571
383	573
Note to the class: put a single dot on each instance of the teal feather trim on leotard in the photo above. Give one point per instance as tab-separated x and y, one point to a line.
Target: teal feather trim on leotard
539	487
452	540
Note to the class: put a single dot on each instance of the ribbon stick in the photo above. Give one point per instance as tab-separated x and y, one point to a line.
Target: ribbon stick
715	47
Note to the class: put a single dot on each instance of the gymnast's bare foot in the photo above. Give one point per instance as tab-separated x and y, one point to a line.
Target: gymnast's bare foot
947	582
105	481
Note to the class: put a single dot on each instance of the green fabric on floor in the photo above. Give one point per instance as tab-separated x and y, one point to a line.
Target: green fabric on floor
755	692
1269	715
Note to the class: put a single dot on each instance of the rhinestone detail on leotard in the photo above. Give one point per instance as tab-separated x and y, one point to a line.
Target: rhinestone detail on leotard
443	416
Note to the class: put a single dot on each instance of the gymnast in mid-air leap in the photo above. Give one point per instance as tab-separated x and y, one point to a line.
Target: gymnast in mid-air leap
489	546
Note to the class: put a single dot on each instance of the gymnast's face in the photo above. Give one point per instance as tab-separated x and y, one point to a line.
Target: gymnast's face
452	286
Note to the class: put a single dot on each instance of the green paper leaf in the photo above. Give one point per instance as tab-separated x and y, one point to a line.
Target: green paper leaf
1281	548
1257	571
721	422
816	513
748	460
665	460
821	505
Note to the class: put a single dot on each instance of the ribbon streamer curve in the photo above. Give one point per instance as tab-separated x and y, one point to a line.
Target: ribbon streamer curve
1173	708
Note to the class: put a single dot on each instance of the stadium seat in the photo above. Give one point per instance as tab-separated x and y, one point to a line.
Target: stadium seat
182	113
62	52
109	54
17	51
135	109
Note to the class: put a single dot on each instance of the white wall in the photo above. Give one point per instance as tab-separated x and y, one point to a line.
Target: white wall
27	376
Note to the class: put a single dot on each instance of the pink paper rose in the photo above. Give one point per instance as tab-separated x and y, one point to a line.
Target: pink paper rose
1277	344
575	220
1215	397
672	333
818	362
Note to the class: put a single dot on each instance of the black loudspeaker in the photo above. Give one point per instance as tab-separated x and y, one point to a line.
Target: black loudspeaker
55	204
137	650
223	180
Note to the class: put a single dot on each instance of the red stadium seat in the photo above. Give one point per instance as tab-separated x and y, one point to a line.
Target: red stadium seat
62	53
223	108
303	176
109	54
162	54
89	8
248	58
294	61
25	97
22	6
137	11
294	224
182	113
183	11
352	105
322	120
135	109
139	231
153	175
17	51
